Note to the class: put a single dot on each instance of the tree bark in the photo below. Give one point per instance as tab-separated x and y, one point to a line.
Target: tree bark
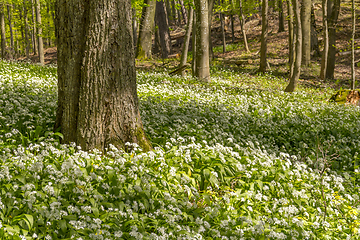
353	19
325	53
298	48
264	34
281	16
187	36
223	38
210	14
27	43
98	103
144	44
242	26
2	28
34	34
39	32
314	35
12	45
333	8
163	28
306	31
193	61
291	35
202	69
183	11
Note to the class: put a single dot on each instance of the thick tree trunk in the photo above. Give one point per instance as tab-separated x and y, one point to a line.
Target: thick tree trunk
242	26
34	34
2	28
298	48
27	43
98	103
333	8
144	44
353	19
202	69
164	33
264	34
39	32
185	47
12	44
306	31
281	16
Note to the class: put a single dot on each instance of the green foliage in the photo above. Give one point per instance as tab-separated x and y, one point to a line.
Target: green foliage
233	159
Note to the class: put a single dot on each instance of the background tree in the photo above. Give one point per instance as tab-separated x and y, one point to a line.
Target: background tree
2	28
242	25
306	31
163	28
39	32
294	78
144	44
187	37
98	103
353	21
325	53
281	16
202	68
264	34
333	8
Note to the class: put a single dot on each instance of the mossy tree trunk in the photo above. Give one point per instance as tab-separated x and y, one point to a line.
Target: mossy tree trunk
144	43
294	78
98	103
264	35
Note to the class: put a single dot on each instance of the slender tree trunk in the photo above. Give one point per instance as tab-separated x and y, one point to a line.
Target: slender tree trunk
291	35
185	47
98	104
48	35
164	33
12	45
168	10
210	14
2	28
281	17
134	26
333	8
242	26
298	49
314	35
353	19
39	31
223	38
193	62
27	43
264	34
326	40
34	34
183	11
202	70
144	44
306	31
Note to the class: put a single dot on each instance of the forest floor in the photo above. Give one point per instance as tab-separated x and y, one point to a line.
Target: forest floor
239	60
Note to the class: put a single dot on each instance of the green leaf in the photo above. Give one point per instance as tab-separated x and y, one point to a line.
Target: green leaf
30	220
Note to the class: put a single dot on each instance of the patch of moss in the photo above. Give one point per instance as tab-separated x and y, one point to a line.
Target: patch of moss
143	141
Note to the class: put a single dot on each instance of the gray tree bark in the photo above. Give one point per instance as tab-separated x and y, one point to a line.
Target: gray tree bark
298	48
202	67
26	25
163	28
306	31
98	103
39	32
326	40
264	34
291	35
144	44
333	9
2	28
187	37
